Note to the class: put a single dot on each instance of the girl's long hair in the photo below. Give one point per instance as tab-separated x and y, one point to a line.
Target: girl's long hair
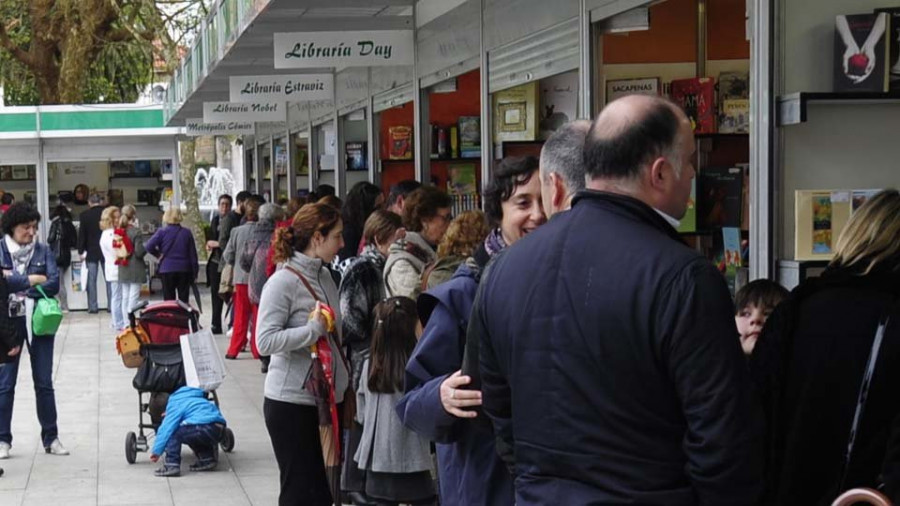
393	341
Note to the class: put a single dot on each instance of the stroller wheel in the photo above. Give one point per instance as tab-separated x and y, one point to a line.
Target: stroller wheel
130	447
228	440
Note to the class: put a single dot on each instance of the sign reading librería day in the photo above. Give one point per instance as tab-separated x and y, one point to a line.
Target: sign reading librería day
195	127
292	88
215	112
343	49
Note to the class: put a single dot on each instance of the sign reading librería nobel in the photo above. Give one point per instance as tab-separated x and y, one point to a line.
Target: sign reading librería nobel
293	88
195	127
215	112
343	49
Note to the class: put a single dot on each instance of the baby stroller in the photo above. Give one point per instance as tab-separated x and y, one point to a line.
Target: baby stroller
162	370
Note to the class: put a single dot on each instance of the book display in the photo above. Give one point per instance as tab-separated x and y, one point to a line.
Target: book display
734	103
696	96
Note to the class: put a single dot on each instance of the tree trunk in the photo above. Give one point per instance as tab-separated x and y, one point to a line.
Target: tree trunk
187	171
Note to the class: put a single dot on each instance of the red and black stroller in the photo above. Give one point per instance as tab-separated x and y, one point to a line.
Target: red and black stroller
162	369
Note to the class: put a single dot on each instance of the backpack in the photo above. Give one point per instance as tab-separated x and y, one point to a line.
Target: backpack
254	260
59	239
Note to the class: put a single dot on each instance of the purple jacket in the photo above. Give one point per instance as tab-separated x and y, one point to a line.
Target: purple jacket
174	246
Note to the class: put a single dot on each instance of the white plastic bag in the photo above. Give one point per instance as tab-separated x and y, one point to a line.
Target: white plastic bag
203	364
82	277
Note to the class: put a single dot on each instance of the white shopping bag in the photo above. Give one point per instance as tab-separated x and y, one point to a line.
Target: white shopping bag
203	365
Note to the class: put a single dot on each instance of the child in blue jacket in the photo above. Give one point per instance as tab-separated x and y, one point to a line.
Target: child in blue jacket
193	420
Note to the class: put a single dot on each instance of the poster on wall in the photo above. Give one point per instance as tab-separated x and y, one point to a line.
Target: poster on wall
290	88
619	88
516	113
820	217
343	49
559	102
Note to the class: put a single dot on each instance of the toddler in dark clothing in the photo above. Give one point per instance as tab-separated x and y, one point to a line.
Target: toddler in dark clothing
753	305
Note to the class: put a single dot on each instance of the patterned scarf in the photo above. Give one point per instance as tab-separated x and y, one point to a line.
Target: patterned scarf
21	257
494	242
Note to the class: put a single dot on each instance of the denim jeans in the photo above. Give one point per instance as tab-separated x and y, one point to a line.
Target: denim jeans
93	268
201	438
41	354
115	305
131	294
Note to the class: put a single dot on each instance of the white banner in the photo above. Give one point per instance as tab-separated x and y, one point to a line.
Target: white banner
292	88
216	112
343	49
195	127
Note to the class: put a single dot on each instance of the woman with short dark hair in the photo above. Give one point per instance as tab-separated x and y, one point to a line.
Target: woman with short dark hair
28	265
437	402
426	216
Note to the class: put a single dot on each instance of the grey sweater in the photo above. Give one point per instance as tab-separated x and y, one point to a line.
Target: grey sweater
235	248
284	331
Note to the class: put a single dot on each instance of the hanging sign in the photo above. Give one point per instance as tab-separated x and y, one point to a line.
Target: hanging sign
195	127
214	112
293	88
343	49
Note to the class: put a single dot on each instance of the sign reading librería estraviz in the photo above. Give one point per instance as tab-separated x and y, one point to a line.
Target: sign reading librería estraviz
343	49
290	88
214	112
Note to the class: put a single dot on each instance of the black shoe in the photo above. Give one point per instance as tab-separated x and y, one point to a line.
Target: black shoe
216	330
204	466
93	312
168	472
264	368
231	357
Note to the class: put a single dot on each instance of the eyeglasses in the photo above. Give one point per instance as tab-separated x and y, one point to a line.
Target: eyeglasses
446	217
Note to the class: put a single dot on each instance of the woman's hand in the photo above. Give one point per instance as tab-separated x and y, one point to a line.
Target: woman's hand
37	279
453	399
317	316
15	351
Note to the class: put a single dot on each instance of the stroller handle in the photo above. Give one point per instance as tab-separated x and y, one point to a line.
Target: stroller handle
134	309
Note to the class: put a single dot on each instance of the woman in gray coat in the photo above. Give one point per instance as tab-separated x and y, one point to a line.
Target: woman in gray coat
133	270
290	321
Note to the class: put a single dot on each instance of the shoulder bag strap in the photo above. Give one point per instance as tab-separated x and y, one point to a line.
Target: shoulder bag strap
340	349
864	392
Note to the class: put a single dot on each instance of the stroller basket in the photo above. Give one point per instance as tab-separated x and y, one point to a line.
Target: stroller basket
162	370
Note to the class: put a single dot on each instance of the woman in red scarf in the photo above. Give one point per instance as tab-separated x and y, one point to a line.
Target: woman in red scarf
129	246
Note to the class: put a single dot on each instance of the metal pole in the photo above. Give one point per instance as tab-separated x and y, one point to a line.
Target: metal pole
701	37
487	137
312	144
585	70
290	170
273	187
257	169
42	187
373	142
420	157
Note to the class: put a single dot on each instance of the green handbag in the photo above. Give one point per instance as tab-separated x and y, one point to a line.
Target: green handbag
47	315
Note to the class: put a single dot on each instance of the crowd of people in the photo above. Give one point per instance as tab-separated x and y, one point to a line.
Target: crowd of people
563	346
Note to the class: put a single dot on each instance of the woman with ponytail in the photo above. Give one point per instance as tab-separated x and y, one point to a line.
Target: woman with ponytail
290	321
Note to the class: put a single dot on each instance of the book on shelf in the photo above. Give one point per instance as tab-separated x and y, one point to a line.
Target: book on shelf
861	53
400	143
688	222
720	191
893	47
461	179
357	156
302	162
819	218
469	137
734	102
696	96
731	239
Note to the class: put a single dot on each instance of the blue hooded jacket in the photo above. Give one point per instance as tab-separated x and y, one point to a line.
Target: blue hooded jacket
186	406
471	473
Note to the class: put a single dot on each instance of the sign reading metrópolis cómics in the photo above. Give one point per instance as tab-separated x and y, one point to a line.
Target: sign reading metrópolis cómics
292	88
195	127
215	112
343	49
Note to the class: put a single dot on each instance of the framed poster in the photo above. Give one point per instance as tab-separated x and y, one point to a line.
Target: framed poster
621	87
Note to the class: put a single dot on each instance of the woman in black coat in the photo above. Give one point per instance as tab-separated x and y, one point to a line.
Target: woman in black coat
810	361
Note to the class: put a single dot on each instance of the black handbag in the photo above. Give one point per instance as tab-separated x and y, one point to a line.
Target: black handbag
162	370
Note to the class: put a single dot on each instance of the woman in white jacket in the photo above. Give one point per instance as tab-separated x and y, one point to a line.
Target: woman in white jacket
108	221
289	322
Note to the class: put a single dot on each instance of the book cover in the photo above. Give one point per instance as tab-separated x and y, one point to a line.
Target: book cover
745	196
720	192
400	143
356	156
461	179
893	47
731	238
820	217
734	102
696	96
142	168
469	137
860	197
689	221
302	162
860	53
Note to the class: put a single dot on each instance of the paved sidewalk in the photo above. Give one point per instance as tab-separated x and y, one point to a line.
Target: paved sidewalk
97	406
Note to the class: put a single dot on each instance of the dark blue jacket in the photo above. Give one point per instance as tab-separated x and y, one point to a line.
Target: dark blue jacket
470	471
43	262
611	364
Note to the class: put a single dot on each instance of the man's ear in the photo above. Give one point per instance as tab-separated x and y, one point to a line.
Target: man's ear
558	192
659	173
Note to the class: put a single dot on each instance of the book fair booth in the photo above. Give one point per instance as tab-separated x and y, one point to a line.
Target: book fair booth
54	155
790	138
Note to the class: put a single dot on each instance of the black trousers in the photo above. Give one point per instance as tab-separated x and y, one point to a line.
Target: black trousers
294	431
179	282
215	277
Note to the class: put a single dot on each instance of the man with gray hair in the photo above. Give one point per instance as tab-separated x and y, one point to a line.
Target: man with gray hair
625	383
89	247
562	166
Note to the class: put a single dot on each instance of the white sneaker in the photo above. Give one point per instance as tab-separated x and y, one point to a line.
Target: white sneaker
4	450
56	448
229	333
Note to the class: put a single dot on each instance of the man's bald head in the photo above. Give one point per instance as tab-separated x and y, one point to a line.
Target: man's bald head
630	133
